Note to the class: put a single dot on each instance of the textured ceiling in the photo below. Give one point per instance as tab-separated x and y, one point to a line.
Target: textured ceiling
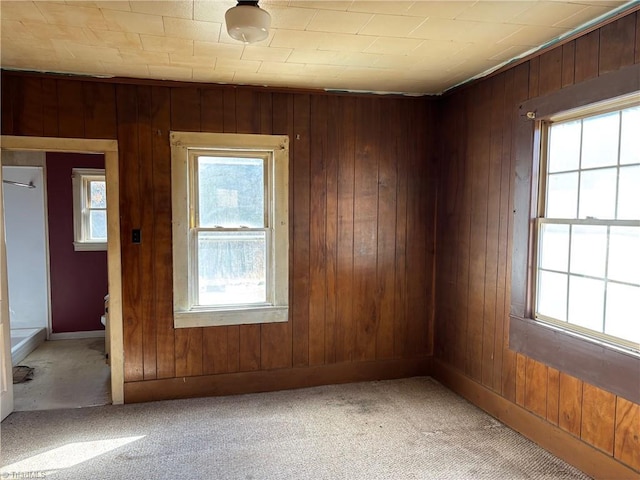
384	46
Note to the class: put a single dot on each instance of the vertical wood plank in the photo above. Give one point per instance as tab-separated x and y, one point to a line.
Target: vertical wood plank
301	208
587	55
162	253
637	56
50	107
211	111
521	379
570	414
400	323
345	329
535	393
479	144
331	228
27	107
188	352
8	97
233	349
386	248
71	111
598	418
617	44
130	218
185	109
534	77
247	111
493	226
99	110
568	63
461	300
317	229
229	110
553	395
365	228
214	350
249	348
627	433
147	221
550	71
418	221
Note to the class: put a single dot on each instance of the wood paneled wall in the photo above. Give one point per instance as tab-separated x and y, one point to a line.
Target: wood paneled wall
362	206
475	208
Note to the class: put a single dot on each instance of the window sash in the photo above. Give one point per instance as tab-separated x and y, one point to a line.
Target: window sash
195	228
543	199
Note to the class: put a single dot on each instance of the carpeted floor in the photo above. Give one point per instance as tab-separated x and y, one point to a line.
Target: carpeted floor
401	429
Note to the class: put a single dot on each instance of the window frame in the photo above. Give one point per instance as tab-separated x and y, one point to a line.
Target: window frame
80	177
604	365
185	147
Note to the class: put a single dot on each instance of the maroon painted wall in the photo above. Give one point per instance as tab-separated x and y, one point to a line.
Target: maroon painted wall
78	279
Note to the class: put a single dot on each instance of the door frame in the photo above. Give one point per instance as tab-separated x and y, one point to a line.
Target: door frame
114	254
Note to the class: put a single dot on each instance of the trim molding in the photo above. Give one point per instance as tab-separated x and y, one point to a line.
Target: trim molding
562	444
273	380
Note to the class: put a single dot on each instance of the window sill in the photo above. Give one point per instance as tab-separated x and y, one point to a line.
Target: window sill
612	369
90	247
239	316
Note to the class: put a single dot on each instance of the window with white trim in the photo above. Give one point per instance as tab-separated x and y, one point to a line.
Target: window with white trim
89	209
230	228
588	233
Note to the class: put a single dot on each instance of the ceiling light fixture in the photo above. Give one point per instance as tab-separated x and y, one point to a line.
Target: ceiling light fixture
247	22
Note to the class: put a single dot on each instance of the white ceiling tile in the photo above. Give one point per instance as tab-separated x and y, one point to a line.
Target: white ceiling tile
338	22
177	9
393	46
494	11
266	54
133	22
442	9
22	11
390	8
193	29
391	25
322	5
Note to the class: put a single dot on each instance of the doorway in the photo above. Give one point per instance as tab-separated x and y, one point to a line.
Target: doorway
114	325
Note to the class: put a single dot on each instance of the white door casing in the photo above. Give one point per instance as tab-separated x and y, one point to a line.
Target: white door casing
6	370
110	150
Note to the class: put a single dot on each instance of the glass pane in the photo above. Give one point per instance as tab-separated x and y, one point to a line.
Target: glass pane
623	305
97	225
231	192
630	140
564	146
624	254
97	194
586	302
554	247
231	268
588	250
562	195
598	193
600	140
552	295
629	193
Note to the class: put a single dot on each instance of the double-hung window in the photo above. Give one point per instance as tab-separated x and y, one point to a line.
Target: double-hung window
230	231
89	209
588	230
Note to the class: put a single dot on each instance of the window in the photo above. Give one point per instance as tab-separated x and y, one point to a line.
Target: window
230	228
592	346
89	209
588	235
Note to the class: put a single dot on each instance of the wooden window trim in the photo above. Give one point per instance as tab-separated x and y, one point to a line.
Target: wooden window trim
602	365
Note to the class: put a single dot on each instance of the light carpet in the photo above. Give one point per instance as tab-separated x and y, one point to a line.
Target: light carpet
401	429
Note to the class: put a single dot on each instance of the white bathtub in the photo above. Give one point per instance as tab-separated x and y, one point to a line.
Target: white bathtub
24	341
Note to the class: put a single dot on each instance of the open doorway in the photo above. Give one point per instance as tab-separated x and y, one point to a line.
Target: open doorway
56	240
114	324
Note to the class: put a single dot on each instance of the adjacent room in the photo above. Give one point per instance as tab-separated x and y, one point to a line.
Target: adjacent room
351	239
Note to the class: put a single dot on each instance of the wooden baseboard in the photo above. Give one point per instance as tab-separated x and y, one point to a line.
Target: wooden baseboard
273	380
562	444
77	335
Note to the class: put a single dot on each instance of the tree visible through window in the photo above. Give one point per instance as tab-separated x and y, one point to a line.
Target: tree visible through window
588	259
